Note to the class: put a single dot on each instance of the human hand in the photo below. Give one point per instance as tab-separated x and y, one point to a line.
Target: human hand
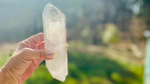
29	54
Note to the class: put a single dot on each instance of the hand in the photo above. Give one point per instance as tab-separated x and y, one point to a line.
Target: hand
29	54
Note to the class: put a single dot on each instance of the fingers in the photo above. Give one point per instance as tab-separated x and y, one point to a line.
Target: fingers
41	45
33	54
36	39
33	42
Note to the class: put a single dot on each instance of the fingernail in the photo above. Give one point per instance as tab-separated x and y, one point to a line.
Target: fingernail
49	54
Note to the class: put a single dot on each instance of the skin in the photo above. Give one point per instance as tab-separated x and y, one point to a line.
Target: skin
26	59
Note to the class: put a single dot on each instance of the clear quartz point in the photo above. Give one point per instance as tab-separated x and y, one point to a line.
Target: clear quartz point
55	40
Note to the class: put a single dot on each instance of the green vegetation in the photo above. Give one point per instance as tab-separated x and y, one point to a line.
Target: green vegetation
88	22
85	68
3	60
91	69
110	34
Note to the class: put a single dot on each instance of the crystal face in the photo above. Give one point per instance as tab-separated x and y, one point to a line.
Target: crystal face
55	40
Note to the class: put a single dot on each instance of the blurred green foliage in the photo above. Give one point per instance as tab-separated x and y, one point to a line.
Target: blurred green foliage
3	60
85	21
91	69
145	5
88	68
110	34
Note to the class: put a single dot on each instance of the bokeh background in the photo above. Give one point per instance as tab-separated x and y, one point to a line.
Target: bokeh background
105	38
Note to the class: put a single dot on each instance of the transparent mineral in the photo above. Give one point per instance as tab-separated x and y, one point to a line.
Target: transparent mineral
55	40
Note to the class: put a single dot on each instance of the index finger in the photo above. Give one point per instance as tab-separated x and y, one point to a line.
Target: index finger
36	39
32	41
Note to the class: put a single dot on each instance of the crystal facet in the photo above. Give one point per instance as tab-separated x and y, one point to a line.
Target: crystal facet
55	40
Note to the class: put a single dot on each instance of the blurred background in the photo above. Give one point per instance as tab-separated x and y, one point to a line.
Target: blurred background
105	37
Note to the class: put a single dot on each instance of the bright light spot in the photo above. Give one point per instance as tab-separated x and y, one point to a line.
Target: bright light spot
136	8
146	33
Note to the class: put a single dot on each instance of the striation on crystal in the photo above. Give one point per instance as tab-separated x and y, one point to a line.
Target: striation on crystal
55	40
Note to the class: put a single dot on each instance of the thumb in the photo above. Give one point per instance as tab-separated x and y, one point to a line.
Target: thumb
32	54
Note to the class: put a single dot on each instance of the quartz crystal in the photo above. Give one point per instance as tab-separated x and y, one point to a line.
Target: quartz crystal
55	40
